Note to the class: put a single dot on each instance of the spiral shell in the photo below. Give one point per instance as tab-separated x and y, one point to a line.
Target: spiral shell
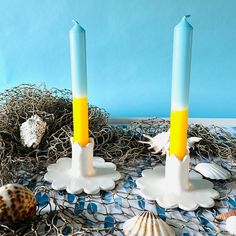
32	131
226	215
212	171
160	143
17	203
147	224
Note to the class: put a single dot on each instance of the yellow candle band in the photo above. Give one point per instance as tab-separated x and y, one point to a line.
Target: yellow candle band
80	120
178	133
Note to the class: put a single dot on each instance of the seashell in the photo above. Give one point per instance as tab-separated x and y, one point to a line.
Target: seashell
231	225
17	203
192	141
212	171
160	143
32	131
226	215
147	224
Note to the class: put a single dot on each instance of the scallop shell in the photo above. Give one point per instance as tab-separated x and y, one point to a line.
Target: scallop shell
17	203
231	225
226	215
212	171
32	131
147	224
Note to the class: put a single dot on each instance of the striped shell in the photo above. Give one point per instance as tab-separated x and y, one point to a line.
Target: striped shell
147	224
17	203
226	215
212	171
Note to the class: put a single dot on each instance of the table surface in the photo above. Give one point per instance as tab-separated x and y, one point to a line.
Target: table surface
113	208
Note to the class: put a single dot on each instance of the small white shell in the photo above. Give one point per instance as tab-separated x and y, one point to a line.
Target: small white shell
147	224
32	131
160	142
212	171
231	225
192	141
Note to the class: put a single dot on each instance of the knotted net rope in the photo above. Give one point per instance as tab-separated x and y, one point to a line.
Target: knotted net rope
102	214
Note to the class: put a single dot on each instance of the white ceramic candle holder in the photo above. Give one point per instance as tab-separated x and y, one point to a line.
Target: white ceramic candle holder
174	186
82	172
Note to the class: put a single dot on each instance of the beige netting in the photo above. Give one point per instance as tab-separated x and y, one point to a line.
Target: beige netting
118	144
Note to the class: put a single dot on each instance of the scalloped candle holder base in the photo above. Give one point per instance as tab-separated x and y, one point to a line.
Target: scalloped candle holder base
174	186
82	172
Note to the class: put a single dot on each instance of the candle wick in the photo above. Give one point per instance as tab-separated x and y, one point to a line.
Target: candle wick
75	21
186	16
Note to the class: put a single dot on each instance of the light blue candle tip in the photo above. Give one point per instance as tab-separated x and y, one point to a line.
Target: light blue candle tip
186	16
76	22
77	26
184	23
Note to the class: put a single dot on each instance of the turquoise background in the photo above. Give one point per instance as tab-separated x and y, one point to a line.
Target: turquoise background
129	51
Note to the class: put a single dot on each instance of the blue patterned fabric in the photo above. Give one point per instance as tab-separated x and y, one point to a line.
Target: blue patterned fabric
110	209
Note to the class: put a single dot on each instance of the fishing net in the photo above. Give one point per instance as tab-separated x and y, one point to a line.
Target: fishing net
60	213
